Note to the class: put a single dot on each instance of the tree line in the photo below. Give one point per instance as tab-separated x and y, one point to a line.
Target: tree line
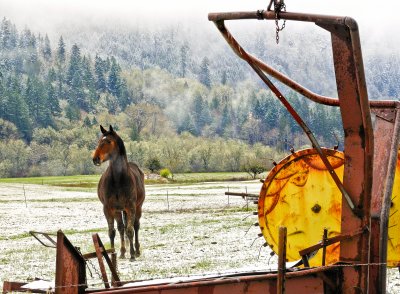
68	152
52	99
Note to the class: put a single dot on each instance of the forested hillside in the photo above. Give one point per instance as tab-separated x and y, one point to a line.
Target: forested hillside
187	108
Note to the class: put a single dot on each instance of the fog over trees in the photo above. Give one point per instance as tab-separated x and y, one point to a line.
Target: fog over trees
185	101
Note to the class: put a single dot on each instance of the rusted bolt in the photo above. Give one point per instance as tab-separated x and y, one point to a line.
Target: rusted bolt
316	208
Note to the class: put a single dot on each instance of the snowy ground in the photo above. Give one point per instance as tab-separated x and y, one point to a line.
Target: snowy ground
195	230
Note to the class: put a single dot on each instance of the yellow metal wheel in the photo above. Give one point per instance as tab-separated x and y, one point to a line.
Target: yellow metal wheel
393	258
300	194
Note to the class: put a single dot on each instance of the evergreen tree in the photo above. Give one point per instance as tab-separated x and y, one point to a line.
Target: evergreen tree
52	101
116	85
17	111
61	55
204	76
223	78
89	83
76	93
74	68
87	74
72	112
8	35
100	70
46	50
114	81
224	122
184	60
200	113
86	122
188	125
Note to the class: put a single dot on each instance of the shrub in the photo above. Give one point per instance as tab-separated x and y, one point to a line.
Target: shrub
153	165
165	173
254	169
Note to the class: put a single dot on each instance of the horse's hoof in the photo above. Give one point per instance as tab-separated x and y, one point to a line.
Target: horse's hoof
132	259
137	253
122	256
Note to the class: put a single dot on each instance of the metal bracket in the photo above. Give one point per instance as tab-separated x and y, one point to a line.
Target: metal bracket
36	235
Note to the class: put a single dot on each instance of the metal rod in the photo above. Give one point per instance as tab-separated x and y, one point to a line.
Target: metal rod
332	240
244	195
324	237
264	14
47	236
111	264
100	260
281	260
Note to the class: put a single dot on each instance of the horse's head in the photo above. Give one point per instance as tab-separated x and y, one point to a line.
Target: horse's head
110	145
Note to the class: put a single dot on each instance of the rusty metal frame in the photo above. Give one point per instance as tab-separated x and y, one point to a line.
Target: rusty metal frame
359	180
101	253
387	134
301	281
10	287
70	267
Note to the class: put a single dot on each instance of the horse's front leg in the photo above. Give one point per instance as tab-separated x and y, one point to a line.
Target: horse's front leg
130	216
109	214
121	230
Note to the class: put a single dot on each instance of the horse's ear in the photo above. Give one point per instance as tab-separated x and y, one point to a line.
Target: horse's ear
103	130
111	129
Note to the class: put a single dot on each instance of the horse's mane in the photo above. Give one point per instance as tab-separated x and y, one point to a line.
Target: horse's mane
121	146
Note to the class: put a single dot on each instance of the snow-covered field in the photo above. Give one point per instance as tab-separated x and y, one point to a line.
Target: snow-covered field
185	230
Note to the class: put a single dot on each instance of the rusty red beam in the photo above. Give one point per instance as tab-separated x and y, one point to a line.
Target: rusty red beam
11	287
70	268
302	281
329	241
100	253
387	133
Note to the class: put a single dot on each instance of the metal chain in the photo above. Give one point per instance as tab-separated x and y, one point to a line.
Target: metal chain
278	7
89	262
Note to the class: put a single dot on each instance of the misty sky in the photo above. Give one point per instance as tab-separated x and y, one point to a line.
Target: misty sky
44	13
376	23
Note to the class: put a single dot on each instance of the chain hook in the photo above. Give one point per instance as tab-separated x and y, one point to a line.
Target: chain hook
279	5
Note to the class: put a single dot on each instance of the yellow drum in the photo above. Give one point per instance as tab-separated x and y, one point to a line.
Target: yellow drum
300	194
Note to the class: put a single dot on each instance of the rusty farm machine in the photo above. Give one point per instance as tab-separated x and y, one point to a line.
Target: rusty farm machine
334	212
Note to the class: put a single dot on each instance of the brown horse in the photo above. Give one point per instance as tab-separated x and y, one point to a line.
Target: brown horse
120	189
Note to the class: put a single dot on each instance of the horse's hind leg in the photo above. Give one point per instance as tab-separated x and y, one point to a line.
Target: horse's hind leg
136	226
121	230
130	215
